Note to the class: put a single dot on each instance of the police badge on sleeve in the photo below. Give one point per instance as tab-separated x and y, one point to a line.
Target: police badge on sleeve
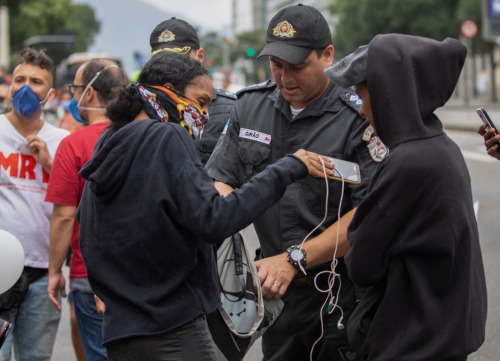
377	149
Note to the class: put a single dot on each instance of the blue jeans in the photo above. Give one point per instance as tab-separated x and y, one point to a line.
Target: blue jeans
90	325
35	326
190	342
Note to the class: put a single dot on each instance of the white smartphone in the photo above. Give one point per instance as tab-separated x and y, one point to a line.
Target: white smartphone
349	171
487	120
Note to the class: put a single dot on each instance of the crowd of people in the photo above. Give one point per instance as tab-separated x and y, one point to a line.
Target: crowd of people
134	185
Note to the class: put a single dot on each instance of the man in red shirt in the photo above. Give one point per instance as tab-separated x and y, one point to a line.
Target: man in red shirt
92	91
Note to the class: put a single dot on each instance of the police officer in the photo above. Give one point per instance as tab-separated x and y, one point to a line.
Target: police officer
178	36
301	108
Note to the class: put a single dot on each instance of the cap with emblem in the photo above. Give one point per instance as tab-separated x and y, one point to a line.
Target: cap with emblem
294	32
350	70
174	35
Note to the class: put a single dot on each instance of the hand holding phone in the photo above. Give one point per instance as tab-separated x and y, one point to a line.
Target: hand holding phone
487	121
492	146
344	170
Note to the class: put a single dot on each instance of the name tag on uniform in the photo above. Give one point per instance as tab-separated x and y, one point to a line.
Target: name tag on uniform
255	135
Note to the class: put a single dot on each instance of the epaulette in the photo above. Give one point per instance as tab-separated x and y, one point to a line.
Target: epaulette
351	99
225	93
260	86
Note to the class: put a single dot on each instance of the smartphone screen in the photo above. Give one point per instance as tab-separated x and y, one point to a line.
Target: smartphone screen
487	120
349	171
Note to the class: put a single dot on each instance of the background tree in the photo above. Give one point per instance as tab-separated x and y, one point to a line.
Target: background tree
84	24
361	20
29	18
243	50
211	43
249	45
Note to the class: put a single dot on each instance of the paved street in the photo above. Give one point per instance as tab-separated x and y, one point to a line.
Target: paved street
485	174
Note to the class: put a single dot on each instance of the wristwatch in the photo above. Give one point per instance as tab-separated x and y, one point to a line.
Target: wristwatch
296	256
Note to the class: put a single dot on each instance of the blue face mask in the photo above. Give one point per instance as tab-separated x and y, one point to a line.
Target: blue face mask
26	102
74	109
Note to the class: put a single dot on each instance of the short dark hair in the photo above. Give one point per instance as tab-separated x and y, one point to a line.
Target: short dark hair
319	51
164	67
107	82
35	57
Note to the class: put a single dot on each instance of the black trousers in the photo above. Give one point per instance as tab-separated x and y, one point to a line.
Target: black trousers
190	342
299	326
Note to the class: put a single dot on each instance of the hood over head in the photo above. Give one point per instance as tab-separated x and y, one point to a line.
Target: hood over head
408	78
351	69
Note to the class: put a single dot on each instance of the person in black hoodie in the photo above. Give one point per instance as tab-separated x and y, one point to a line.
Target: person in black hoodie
150	215
414	238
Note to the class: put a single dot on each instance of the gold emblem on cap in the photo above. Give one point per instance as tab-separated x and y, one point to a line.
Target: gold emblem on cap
284	30
184	50
166	36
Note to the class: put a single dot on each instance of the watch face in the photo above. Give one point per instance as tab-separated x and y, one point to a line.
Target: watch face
297	255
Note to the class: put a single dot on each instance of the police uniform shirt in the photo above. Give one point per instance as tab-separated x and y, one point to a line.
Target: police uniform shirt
261	130
218	110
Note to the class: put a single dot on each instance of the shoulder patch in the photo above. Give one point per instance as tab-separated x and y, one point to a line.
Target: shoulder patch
367	134
256	87
225	93
377	149
351	99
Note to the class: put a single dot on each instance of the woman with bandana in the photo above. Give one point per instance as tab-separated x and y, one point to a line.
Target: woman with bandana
150	215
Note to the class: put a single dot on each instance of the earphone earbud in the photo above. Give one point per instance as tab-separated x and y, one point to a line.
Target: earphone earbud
340	325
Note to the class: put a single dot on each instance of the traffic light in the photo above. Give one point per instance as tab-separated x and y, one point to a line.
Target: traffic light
251	52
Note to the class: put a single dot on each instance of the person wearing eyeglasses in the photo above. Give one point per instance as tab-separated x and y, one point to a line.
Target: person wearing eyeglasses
92	90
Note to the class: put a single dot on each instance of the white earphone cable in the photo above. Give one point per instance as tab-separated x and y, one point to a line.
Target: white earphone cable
332	273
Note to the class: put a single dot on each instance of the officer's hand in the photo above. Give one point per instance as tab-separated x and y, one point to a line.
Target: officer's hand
490	141
314	164
275	275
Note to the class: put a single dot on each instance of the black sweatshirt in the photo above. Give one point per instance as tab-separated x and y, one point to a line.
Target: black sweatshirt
414	239
148	217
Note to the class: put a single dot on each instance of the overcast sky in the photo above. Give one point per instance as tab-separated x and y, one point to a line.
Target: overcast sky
208	15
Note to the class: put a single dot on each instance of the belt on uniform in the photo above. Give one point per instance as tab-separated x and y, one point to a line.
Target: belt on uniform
301	280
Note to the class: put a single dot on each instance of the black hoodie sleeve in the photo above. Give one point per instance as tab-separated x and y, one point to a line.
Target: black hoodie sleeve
198	206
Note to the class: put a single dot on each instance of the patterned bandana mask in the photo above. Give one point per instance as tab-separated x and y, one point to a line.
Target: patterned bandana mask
167	105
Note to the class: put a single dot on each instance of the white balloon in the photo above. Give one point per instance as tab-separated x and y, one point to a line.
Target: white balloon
11	260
